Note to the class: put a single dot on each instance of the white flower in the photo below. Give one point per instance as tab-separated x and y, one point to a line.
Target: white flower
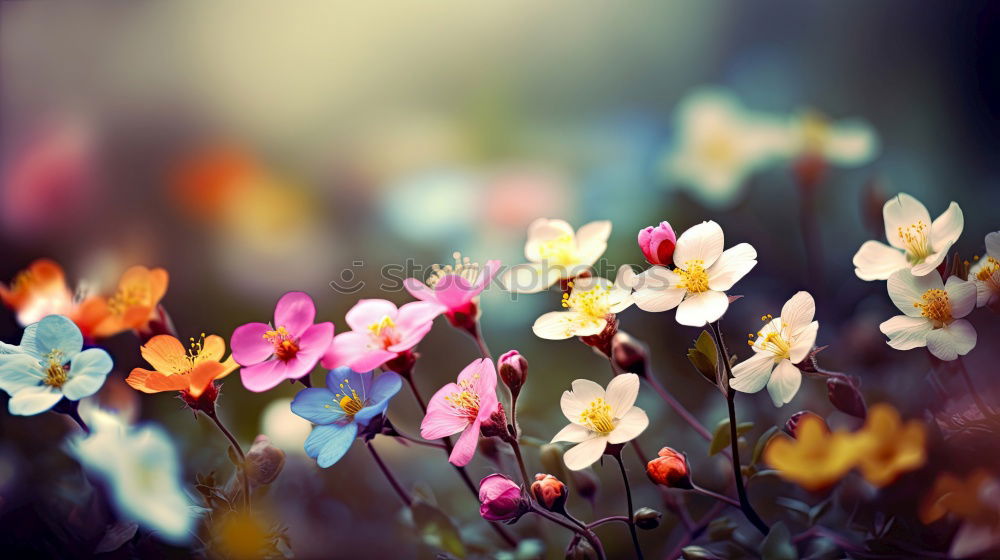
932	314
985	274
779	345
704	272
588	304
141	468
847	143
917	243
599	417
555	253
719	144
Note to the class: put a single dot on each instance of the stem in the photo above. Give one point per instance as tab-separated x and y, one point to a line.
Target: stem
628	495
608	519
811	237
416	394
400	491
697	531
678	408
734	438
520	462
239	451
984	409
477	335
583	532
418	441
716	495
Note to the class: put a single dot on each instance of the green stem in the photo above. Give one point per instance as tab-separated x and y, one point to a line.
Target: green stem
400	491
628	496
239	451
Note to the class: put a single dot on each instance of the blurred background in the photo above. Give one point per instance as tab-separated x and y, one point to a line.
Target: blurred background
252	149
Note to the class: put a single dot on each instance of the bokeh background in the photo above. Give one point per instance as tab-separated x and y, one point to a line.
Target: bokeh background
252	148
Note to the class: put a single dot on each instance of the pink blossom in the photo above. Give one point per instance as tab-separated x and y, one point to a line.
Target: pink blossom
379	333
287	350
657	244
456	287
462	407
500	499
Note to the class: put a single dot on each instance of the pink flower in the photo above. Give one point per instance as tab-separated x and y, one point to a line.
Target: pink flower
500	499
287	350
456	287
462	407
379	333
657	244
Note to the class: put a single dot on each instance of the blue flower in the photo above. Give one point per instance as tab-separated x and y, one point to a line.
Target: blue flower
349	401
50	364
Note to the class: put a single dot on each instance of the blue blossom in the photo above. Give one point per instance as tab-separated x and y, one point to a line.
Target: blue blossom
349	401
50	364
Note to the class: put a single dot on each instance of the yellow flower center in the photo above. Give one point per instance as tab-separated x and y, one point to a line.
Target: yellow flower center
776	342
56	374
935	306
694	279
383	332
348	399
285	345
718	149
465	401
559	251
815	131
597	417
988	270
595	302
124	298
462	267
914	238
195	349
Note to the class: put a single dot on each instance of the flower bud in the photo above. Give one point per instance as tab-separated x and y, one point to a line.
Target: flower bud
601	342
500	499
496	425
549	492
513	369
629	354
647	518
795	420
551	457
670	469
657	243
846	397
264	461
582	550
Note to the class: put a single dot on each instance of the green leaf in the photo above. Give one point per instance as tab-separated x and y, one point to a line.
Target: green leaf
720	439
705	357
777	545
758	449
743	427
437	529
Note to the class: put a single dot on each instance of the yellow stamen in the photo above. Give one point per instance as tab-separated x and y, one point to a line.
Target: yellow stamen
597	417
694	279
595	302
559	251
349	400
935	306
466	401
914	238
462	267
378	327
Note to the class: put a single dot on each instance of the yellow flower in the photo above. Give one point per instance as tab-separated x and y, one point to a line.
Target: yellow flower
816	458
965	498
890	448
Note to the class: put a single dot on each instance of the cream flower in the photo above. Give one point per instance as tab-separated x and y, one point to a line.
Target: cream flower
704	272
917	243
985	274
932	314
555	253
846	143
779	345
598	417
588	305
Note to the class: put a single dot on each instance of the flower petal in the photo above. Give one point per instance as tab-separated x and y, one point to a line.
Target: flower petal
653	292
702	308
798	311
212	348
574	402
993	244
803	342
317	405
592	241
906	333
584	454
87	373
557	325
19	371
629	426
929	264
295	311
734	263
416	315
263	376
905	289
947	228
902	211
329	443
351	349
383	388
441	419
155	382
752	374
248	344
56	332
621	393
369	311
419	290
530	278
952	341
166	354
33	400
784	383
541	231
876	261
573	433
466	445
313	344
961	296
702	242
480	375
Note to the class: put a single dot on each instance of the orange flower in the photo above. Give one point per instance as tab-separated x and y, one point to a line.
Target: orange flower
176	369
967	499
132	305
816	458
889	447
37	291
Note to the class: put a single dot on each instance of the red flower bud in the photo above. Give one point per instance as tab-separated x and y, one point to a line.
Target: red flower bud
670	469
657	243
549	491
513	369
500	499
629	354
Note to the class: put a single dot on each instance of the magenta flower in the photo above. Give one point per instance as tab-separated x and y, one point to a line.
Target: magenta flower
462	407
500	499
287	350
379	333
456	287
658	243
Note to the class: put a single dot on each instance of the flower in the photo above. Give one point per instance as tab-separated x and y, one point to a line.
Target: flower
704	272
780	344
985	273
816	458
455	287
962	497
50	364
719	144
175	368
380	333
549	492
38	291
513	369
555	253
589	304
133	304
916	243
462	407
287	350
847	143
657	244
141	467
889	448
500	499
349	401
932	314
670	469
598	418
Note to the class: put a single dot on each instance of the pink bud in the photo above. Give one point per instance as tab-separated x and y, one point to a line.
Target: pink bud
513	370
500	498
657	243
